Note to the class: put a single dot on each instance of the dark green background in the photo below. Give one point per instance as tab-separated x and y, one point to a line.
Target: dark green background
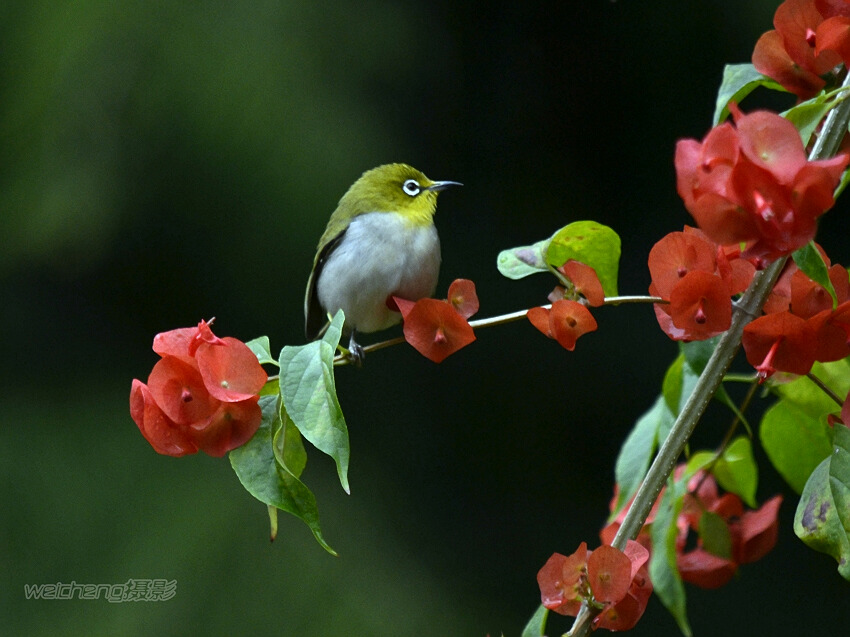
161	162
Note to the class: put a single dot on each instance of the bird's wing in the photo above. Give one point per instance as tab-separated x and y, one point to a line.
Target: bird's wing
315	317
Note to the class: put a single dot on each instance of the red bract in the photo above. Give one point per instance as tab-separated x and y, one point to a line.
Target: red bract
756	532
436	330
751	183
202	394
701	568
565	322
463	298
780	342
700	305
585	281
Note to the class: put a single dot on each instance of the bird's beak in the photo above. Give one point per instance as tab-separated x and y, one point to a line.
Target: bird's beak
437	186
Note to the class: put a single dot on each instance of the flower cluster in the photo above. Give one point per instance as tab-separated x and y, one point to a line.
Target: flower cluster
715	532
727	535
697	278
811	37
201	395
802	324
438	328
615	582
569	318
752	183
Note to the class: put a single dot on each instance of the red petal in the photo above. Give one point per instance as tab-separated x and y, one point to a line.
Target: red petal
463	298
700	305
163	434
539	317
585	280
435	330
609	573
178	389
232	425
772	143
626	613
398	304
231	371
174	342
568	320
758	531
771	59
676	254
701	568
796	347
833	34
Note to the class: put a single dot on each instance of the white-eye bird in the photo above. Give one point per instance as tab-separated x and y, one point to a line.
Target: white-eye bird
380	241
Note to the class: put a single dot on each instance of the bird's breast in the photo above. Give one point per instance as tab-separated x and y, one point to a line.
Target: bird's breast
380	254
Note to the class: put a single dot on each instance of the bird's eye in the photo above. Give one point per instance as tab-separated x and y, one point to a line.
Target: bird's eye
411	187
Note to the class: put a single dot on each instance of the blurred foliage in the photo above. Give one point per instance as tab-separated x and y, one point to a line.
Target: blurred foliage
161	162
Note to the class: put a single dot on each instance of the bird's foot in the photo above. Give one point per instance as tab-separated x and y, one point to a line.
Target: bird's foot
355	352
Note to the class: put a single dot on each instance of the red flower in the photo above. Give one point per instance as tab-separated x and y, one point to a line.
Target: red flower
794	54
202	394
751	183
435	328
752	534
564	322
700	305
618	580
697	278
560	581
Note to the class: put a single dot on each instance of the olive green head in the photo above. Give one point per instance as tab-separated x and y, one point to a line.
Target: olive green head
395	188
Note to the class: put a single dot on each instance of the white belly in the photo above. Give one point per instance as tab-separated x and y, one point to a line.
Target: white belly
381	254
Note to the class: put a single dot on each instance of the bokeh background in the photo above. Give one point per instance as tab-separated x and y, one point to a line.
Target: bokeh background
161	162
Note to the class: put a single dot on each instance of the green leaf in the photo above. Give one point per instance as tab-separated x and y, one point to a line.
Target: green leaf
288	447
697	353
590	243
637	451
697	462
822	519
262	349
845	179
536	626
271	388
308	390
516	263
809	260
794	432
678	384
715	535
739	80
260	473
736	471
663	572
806	116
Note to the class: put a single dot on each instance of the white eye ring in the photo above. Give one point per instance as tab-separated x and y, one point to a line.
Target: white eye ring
411	187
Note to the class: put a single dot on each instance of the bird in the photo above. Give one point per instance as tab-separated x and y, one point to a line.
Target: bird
380	242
